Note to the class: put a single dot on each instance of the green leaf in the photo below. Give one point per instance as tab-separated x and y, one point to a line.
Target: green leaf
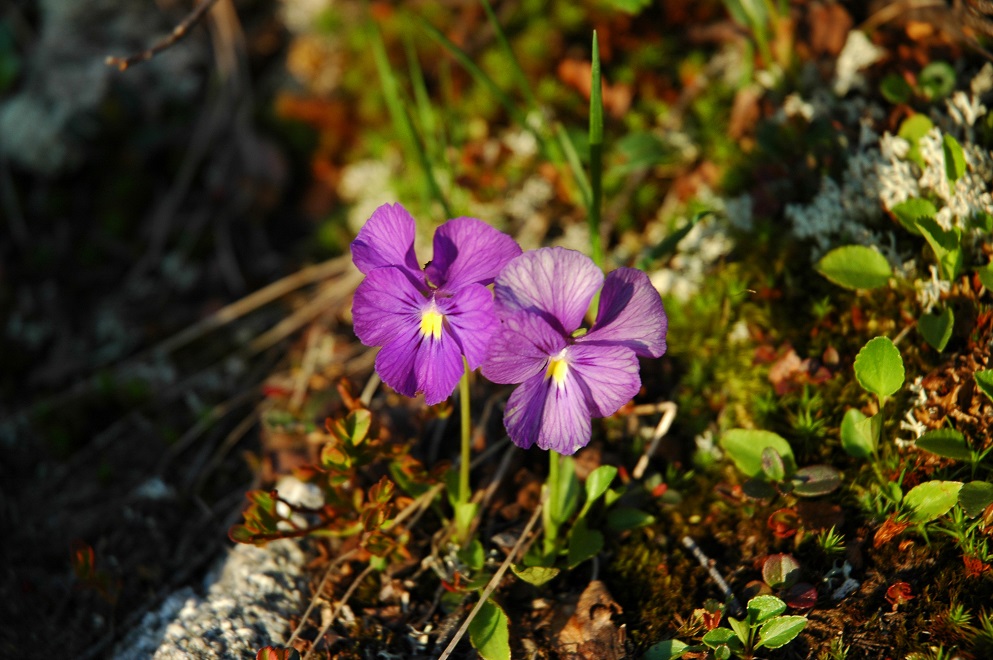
912	130
567	491
490	633
718	637
855	267
762	608
986	275
895	88
745	447
947	443
932	499
629	6
982	221
985	381
780	571
623	518
815	480
740	628
975	496
667	650
937	80
597	484
879	367
772	465
908	211
946	244
536	575
473	555
584	543
859	434
668	244
954	158
780	631
937	328
465	513
722	652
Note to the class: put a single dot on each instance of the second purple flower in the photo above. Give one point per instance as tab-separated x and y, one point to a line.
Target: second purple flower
566	377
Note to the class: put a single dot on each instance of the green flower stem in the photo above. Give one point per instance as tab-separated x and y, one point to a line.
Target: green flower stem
551	512
596	156
464	464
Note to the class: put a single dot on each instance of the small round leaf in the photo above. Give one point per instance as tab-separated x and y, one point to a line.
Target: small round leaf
855	267
932	499
745	447
780	631
975	496
816	480
879	367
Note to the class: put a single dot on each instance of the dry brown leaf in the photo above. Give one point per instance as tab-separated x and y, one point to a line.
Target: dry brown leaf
591	633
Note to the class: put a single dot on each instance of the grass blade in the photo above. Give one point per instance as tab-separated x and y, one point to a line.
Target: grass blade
402	121
596	157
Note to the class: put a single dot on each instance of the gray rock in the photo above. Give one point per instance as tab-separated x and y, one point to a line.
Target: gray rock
49	124
250	597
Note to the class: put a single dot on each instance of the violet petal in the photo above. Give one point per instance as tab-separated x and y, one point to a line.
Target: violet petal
472	321
554	282
630	314
521	348
387	239
468	251
385	304
438	365
609	374
395	361
555	417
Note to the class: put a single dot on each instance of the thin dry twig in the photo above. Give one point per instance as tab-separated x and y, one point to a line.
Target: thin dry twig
668	410
188	335
313	601
492	585
325	301
715	575
177	34
334	615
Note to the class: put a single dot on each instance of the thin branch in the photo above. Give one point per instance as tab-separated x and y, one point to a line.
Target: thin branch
491	587
668	410
317	593
334	615
715	575
178	32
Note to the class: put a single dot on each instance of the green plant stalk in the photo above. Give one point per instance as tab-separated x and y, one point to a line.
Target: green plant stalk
551	511
422	100
464	465
402	121
554	150
520	77
596	157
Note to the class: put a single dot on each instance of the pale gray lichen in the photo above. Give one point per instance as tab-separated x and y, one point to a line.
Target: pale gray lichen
879	175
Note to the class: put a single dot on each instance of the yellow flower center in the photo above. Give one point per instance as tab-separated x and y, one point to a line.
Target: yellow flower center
431	323
557	369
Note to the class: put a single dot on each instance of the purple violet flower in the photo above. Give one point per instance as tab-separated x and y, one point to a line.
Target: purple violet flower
567	377
427	320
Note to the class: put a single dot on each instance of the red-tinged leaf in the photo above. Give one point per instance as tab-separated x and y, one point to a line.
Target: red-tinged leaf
899	593
382	492
801	596
277	653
